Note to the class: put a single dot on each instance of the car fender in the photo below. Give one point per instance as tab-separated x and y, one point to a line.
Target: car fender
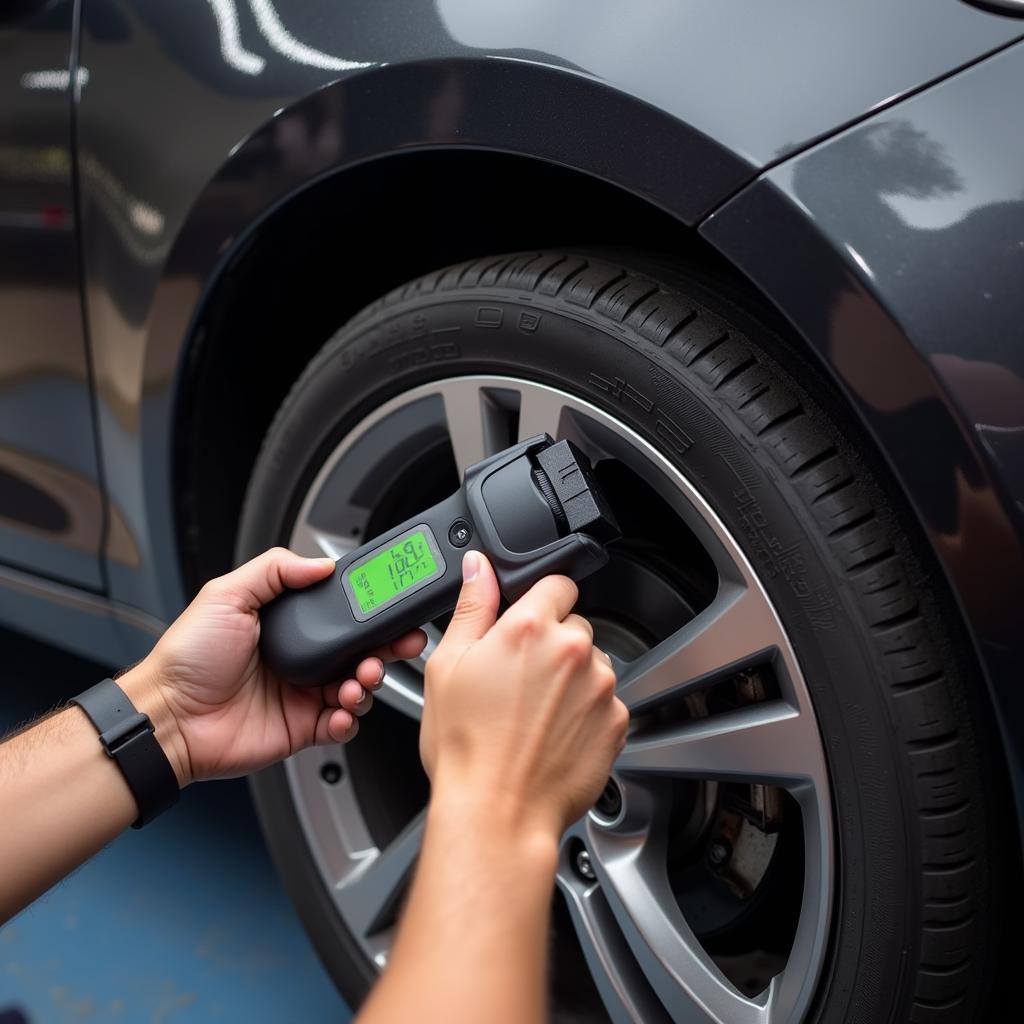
896	249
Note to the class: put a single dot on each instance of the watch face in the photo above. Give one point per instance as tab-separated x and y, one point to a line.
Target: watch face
393	571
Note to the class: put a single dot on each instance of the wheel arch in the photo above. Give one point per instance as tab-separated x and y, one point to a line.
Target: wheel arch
503	201
232	239
335	141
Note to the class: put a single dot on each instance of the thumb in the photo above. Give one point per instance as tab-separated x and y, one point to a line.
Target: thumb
477	609
260	580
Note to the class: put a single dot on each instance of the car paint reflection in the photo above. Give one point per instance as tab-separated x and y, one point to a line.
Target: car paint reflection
52	505
930	197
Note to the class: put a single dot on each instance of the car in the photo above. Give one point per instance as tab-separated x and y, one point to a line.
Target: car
276	272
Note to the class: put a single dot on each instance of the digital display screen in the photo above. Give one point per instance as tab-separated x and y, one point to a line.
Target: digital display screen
392	571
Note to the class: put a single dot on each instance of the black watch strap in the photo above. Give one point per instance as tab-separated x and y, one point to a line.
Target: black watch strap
127	736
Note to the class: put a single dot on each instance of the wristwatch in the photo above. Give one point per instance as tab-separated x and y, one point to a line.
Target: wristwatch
127	736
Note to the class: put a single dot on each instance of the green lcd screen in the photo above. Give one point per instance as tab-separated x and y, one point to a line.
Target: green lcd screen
393	571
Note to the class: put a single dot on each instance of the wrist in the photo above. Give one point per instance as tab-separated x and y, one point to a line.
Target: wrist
141	685
493	816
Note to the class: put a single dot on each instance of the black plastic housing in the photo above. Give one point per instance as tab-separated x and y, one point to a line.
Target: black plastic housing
313	636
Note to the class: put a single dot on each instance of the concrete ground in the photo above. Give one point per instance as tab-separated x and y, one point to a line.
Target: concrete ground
184	920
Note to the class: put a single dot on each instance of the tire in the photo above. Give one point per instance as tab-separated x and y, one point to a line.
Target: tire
772	449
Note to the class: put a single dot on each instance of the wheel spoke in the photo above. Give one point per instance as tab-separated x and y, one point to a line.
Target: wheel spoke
402	688
797	982
372	892
419	663
541	411
770	743
402	691
464	411
632	873
737	629
619	981
314	542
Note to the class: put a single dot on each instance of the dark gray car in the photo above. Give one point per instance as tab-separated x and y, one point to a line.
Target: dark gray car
276	272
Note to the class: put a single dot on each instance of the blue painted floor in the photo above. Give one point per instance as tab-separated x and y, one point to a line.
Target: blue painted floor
184	920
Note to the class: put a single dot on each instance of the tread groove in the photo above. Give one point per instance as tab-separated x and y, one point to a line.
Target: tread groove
861	568
916	684
841	531
933	742
735	372
813	462
939	1004
902	619
680	327
547	270
572	277
759	393
633	306
710	347
781	420
600	291
829	491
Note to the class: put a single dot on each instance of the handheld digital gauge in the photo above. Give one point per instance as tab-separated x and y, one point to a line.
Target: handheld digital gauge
533	509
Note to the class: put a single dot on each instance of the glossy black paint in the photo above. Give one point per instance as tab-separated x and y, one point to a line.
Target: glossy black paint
903	244
198	119
50	501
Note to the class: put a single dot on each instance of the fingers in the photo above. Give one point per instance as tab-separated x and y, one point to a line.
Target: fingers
354	694
353	697
262	578
575	621
578	622
370	673
553	596
340	726
409	646
477	609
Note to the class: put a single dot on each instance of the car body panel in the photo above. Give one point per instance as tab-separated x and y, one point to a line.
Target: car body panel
903	244
198	118
51	504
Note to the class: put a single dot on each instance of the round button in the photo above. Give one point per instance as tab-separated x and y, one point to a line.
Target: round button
459	533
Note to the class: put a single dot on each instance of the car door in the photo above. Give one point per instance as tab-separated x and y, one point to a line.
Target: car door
51	504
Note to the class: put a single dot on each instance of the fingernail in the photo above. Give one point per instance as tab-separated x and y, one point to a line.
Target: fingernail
361	697
470	566
380	674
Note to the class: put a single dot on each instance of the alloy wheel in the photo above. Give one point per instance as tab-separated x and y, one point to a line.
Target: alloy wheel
718	815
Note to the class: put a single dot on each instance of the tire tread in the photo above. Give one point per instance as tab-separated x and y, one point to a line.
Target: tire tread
753	390
733	372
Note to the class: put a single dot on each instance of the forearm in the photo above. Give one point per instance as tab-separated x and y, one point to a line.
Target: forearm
472	945
61	800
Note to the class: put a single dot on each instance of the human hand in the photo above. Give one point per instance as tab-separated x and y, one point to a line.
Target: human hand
520	711
217	709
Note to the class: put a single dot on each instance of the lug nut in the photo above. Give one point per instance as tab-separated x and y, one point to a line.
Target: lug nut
719	852
331	772
583	866
609	803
